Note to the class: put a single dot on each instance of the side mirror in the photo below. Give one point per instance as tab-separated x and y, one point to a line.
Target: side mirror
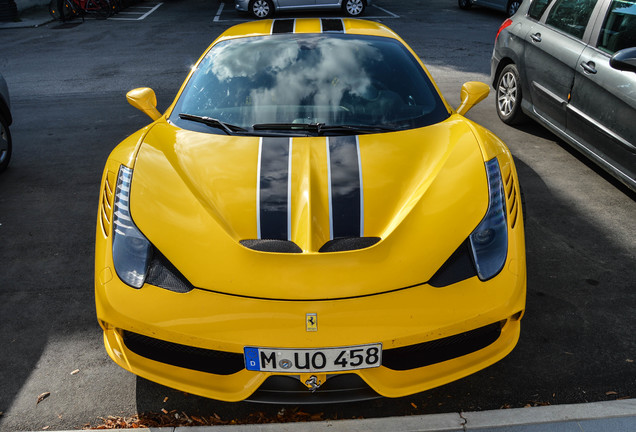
472	93
624	60
144	99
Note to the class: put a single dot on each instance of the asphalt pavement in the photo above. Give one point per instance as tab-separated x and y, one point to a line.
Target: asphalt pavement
554	338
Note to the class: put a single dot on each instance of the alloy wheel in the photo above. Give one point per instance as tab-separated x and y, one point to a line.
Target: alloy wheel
354	7
260	8
513	6
507	94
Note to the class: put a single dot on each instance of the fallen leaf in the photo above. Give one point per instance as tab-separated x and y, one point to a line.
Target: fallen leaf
624	397
216	416
76	371
609	393
42	397
413	405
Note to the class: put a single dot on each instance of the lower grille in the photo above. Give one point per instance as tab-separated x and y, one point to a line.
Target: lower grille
337	389
200	359
439	350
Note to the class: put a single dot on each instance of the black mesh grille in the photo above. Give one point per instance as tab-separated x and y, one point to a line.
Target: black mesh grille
437	351
200	359
163	274
348	244
337	389
270	245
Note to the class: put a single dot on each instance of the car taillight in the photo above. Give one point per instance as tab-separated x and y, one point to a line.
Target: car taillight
505	24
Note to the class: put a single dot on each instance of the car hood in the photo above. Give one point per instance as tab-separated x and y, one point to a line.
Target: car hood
197	197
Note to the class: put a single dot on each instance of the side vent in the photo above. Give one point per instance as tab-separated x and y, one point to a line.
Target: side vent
512	198
106	203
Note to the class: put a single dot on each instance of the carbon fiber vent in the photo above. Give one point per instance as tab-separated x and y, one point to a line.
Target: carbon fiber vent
270	245
348	244
164	274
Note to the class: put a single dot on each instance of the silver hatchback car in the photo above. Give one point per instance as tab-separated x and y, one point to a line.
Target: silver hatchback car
571	66
267	8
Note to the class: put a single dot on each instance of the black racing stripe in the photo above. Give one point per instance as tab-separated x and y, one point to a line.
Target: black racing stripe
345	186
331	25
273	182
283	26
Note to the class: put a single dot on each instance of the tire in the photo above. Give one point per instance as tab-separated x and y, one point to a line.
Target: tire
261	9
5	144
513	6
464	4
508	96
354	8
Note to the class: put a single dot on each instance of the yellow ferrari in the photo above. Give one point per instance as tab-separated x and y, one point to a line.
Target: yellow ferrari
309	221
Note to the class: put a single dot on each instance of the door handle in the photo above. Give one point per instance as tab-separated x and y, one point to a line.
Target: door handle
589	67
536	37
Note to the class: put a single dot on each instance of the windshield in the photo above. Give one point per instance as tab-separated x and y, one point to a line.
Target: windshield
326	79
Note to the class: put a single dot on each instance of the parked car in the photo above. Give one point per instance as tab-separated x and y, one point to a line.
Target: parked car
508	6
5	122
310	220
571	66
267	8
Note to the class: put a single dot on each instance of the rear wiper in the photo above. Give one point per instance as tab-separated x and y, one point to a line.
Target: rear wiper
319	128
229	129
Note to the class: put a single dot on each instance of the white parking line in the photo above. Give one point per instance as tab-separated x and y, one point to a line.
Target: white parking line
140	12
218	13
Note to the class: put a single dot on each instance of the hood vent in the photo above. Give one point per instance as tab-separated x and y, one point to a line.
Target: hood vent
348	244
335	245
270	245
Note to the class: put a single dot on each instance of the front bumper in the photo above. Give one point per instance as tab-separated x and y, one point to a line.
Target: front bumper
225	324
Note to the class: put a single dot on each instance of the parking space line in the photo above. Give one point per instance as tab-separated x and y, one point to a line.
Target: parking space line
142	14
386	11
218	13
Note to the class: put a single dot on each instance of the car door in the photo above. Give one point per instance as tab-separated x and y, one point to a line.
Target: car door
602	111
552	49
295	3
327	2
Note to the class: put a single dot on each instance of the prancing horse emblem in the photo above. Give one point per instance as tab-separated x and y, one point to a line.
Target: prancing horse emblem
312	322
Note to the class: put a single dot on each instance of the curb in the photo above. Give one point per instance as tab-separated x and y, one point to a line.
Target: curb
615	416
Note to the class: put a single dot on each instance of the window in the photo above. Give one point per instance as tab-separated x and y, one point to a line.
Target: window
571	16
619	28
537	8
312	78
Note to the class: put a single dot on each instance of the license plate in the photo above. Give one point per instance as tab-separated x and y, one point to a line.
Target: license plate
313	360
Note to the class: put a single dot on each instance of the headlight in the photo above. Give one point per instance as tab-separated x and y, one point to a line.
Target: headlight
489	241
131	250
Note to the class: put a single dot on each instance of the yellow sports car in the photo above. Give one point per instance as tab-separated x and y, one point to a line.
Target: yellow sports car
309	221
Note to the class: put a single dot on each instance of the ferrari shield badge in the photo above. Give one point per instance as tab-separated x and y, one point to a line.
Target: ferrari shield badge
312	322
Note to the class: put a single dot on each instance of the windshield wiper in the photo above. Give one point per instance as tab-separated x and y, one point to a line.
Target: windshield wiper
229	129
320	128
